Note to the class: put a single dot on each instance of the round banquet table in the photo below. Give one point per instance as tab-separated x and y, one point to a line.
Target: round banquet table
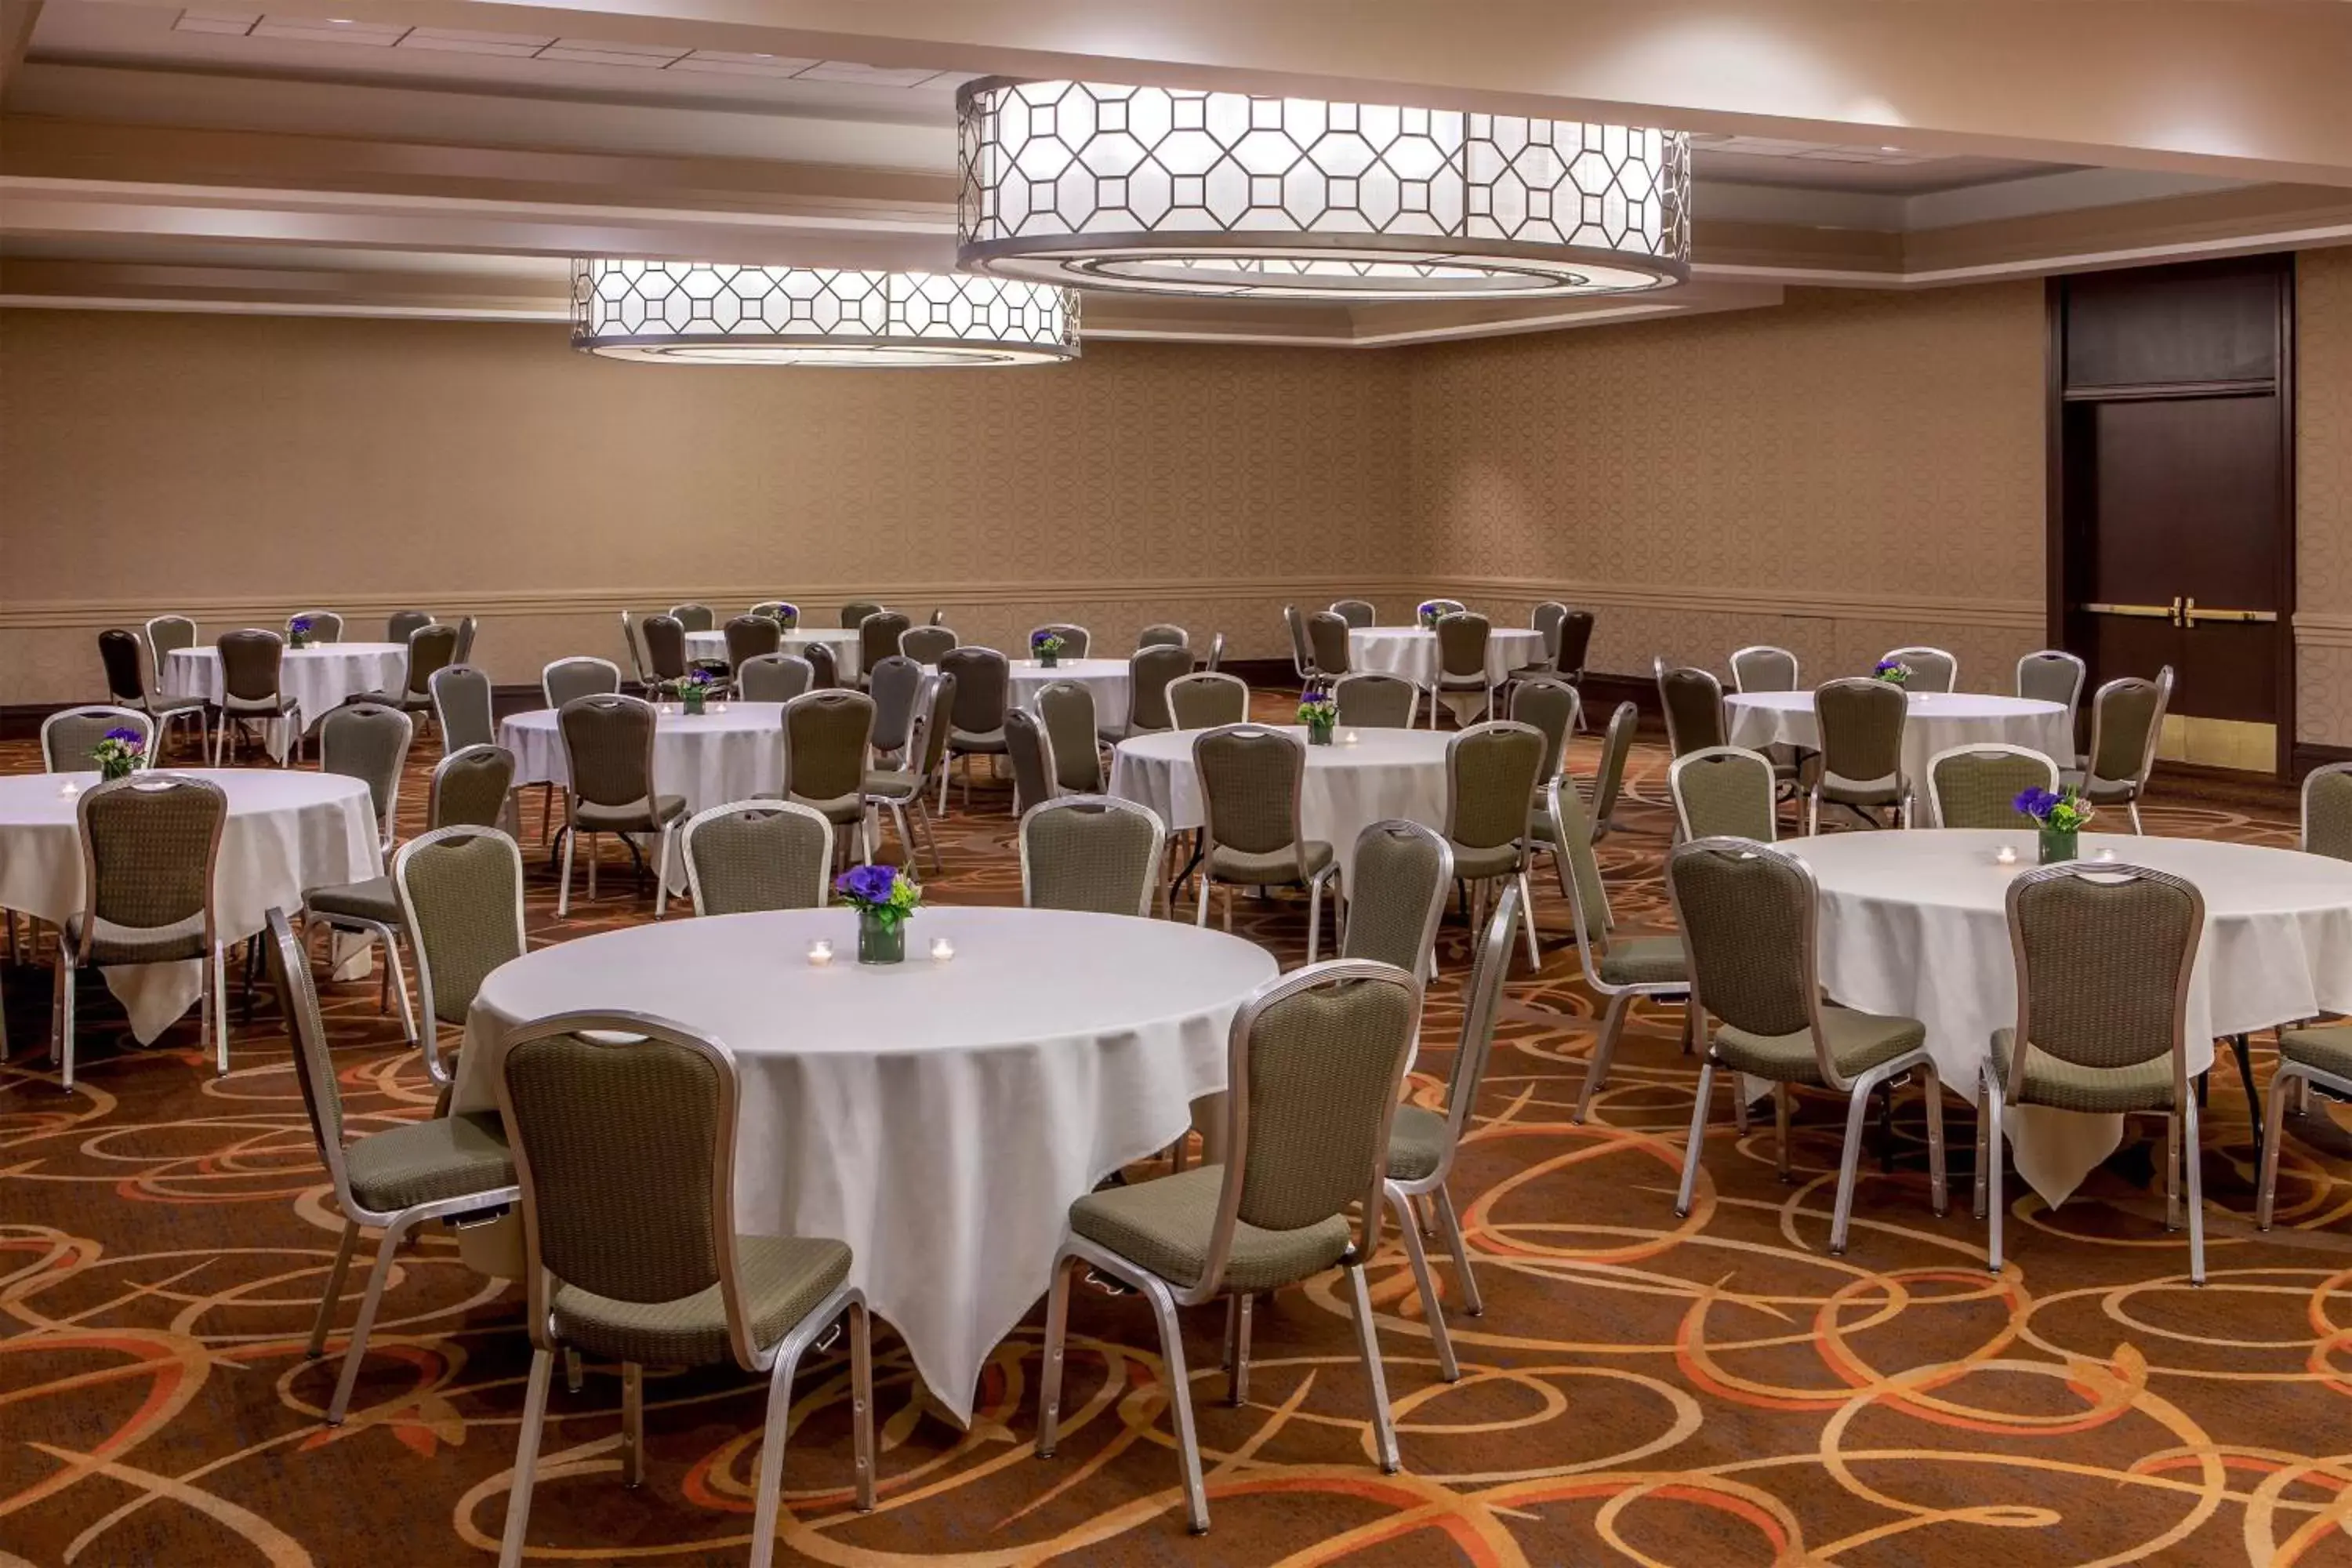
320	679
1347	787
1937	722
1104	679
711	647
287	831
938	1116
1914	922
1411	652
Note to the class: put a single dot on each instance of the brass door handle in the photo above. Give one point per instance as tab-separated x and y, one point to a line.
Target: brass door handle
2139	612
2191	615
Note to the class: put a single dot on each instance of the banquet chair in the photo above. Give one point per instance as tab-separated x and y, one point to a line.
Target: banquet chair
748	636
2126	720
826	738
1068	707
1552	706
1302	650
326	625
1327	634
928	644
118	651
1764	669
1860	768
1977	785
608	750
1032	754
461	708
632	634
1204	700
1355	612
2306	1056
1149	670
784	611
1692	701
1546	621
1422	1141
1609	781
664	640
1251	779
894	681
1620	971
252	661
431	649
2106	1032
693	617
1575	646
624	1145
460	891
471	787
1445	608
166	633
1462	640
939	615
467	628
150	850
854	614
583	675
877	640
1092	853
1216	660
982	690
896	790
1076	639
69	734
1724	792
825	665
1396	895
368	741
400	623
1160	634
2053	675
1375	701
755	855
1492	773
1750	913
1316	1059
396	1180
1932	669
2328	811
773	678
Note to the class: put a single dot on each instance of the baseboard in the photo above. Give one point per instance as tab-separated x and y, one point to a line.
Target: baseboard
2310	755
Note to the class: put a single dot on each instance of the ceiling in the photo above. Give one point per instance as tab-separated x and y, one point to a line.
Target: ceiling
444	157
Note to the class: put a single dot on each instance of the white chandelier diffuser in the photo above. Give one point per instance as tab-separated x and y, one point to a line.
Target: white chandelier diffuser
1173	192
705	312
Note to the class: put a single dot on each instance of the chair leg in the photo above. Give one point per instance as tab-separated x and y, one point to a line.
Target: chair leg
1939	1185
1384	1438
1528	917
61	1020
861	1397
334	1288
2172	1170
1596	1067
1179	1403
1813	812
930	833
1781	1108
765	1501
1314	917
1238	1348
632	1423
1983	1117
1857	1112
574	1375
398	979
534	1417
1472	1303
1697	1136
661	871
220	1008
2274	1129
563	897
1417	1255
1201	909
2239	1048
2195	1168
1991	1112
357	1350
1049	1376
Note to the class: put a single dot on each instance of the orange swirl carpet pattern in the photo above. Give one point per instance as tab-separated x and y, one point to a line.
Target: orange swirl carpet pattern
1714	1391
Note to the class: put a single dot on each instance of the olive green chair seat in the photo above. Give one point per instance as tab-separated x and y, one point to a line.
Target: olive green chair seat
369	900
1164	1226
1497	860
785	1278
590	817
2306	1056
425	1162
2142	1086
1858	1041
1418	1140
1274	867
895	782
1646	961
113	943
2329	1049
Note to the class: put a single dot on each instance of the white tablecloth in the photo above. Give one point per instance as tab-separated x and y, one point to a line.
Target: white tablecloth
940	1118
1106	678
1385	773
732	751
287	831
1914	924
1411	653
1937	722
320	679
712	645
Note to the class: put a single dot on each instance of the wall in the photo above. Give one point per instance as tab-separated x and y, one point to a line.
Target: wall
2322	496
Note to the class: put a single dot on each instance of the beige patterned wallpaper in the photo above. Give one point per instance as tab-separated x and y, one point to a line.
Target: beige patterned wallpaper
2322	493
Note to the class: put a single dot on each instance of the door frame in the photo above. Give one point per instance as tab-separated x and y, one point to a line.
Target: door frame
2054	484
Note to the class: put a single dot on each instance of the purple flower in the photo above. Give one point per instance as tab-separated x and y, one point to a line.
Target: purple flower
127	737
2034	801
867	884
300	623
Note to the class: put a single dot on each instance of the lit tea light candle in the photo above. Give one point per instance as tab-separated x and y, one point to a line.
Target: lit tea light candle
67	790
941	950
718	708
2106	855
820	952
2004	856
1348	738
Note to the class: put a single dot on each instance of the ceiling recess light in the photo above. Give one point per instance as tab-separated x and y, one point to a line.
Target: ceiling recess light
709	312
1161	191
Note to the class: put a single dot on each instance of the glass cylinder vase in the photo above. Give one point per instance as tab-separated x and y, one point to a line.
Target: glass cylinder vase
880	941
2057	845
1319	735
692	700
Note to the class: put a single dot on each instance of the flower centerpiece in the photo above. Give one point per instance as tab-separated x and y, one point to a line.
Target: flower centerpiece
883	896
695	689
1047	645
2059	815
1893	671
1428	614
298	632
784	616
120	753
1318	710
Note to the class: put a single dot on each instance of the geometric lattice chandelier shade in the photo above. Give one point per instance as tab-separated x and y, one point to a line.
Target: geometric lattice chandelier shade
1169	191
697	313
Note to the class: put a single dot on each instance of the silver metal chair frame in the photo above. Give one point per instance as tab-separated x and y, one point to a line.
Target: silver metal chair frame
126	718
1707	755
2074	696
2138	783
1165	1299
779	1362
387	825
1761	654
1616	748
1302	652
1525	845
764	808
1216	652
637	651
917	750
1857	1090
1980	749
2181	1137
1921	659
1151	883
1618	1000
571	812
1316	885
1211	679
1449	680
156	651
429	1034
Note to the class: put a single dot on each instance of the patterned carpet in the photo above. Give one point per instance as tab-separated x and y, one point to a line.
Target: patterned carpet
1716	1390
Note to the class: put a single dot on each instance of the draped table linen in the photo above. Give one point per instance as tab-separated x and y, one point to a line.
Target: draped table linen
938	1116
711	647
1411	652
286	832
1937	722
320	679
1105	679
1915	923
